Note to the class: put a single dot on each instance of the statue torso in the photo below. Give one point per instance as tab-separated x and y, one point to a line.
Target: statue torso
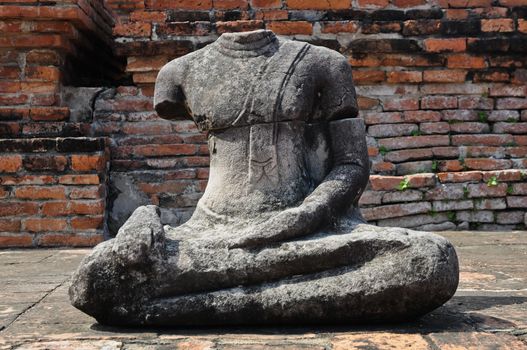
258	98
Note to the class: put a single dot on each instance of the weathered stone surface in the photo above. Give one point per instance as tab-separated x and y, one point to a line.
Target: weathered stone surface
277	237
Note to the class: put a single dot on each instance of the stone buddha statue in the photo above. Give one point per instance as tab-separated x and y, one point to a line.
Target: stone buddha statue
277	237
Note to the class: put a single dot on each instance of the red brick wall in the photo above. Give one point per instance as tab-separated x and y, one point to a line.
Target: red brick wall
441	85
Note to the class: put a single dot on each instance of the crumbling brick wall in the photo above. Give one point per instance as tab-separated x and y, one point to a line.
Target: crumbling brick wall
441	84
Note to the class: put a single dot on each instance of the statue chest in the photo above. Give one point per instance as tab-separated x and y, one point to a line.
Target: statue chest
224	93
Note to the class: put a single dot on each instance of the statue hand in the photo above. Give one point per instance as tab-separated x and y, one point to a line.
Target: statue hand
287	224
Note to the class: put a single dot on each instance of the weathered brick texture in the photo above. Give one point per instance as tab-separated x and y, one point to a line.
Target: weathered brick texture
441	85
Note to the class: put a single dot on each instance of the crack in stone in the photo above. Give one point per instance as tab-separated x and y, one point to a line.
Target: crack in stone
33	305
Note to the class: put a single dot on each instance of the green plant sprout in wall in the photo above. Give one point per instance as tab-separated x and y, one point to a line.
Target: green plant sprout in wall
404	184
383	150
482	116
493	181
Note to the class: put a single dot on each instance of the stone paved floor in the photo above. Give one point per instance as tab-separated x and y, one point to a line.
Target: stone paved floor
489	310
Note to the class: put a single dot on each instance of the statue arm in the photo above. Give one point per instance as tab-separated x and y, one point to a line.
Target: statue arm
340	189
169	98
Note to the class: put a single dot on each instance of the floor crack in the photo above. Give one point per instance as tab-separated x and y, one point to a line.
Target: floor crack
33	305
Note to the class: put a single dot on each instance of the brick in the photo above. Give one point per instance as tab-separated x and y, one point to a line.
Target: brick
164	30
88	162
10	164
469	3
435	128
146	64
415	141
86	192
9	225
16	241
133	29
510	217
414	220
510	128
373	3
450	165
400	104
404	77
9	72
368	76
91	179
485	216
511	103
388	130
88	207
439	102
165	150
291	28
421	166
421	27
491	76
42	73
319	5
517	152
446	152
484	190
445	45
366	103
487	164
339	27
469	127
382	167
387	183
61	208
460	115
466	61
485	139
45	163
45	224
508	90
522	25
239	26
517	202
382	118
503	115
27	180
421	116
180	4
87	222
70	240
271	15
371	198
475	102
49	113
490	204
230	4
452	205
408	154
43	57
444	76
446	192
402	196
408	3
396	210
148	16
266	3
466	176
40	192
497	25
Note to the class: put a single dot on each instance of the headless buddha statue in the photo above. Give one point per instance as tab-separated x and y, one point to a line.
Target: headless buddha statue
277	237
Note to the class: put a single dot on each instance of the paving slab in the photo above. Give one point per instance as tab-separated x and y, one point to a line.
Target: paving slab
489	310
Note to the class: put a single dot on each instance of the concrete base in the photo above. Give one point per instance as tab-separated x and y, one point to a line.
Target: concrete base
488	311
